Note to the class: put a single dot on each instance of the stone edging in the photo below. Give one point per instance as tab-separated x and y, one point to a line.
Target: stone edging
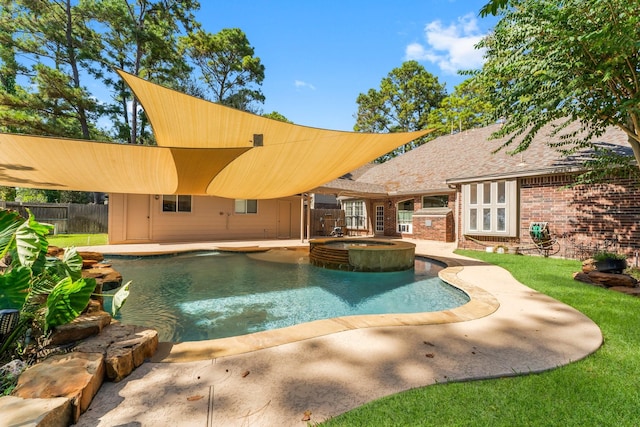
481	304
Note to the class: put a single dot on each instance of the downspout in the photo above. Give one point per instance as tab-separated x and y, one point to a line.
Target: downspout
456	215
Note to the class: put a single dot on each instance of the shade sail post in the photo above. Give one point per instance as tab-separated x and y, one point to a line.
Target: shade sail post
308	217
302	218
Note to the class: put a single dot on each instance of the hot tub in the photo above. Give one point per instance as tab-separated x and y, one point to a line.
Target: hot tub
362	254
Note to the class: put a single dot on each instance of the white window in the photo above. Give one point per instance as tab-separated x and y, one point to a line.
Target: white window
405	217
174	203
246	206
355	214
490	208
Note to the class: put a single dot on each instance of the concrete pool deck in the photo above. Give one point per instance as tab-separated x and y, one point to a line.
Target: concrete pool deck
322	369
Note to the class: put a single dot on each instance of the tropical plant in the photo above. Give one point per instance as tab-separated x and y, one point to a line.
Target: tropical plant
47	291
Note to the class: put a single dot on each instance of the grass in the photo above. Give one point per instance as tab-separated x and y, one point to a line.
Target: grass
601	390
68	240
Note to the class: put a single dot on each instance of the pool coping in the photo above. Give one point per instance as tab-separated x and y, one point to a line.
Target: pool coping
481	303
318	378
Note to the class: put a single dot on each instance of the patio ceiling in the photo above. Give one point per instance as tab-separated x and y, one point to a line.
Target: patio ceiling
203	149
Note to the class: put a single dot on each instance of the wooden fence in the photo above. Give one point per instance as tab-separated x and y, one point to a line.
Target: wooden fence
324	220
66	218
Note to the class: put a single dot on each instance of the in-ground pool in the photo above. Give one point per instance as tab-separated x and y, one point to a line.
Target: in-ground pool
201	296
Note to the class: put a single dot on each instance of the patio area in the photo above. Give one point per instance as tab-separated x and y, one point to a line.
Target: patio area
326	368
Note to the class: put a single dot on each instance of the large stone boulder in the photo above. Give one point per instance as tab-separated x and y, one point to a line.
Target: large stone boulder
75	376
94	256
612	279
106	277
83	326
125	347
592	274
17	411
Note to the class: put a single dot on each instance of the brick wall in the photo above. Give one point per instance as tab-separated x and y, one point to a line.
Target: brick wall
583	218
442	227
439	228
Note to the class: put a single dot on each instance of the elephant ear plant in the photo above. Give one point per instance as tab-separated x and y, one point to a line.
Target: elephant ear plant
47	291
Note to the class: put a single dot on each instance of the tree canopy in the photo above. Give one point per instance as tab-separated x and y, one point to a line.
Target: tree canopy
494	6
53	51
551	62
228	67
402	104
465	108
54	39
277	116
141	38
58	61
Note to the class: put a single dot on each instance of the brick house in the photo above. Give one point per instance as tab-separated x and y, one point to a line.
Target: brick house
456	189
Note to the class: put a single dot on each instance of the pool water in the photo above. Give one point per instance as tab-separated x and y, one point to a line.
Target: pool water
201	296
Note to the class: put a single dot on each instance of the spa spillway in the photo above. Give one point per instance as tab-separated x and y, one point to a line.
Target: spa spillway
362	254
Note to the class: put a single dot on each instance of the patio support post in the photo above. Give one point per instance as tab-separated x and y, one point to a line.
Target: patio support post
308	216
302	218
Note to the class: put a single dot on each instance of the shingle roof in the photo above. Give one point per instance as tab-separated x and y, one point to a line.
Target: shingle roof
468	156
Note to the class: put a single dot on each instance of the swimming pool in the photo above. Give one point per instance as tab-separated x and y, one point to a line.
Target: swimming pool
208	295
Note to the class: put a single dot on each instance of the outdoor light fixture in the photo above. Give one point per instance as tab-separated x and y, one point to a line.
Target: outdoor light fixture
257	140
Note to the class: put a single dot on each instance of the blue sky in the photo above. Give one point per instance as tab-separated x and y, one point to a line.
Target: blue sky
319	56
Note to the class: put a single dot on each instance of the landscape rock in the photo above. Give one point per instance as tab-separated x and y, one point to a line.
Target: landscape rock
588	265
88	263
13	368
17	411
76	376
111	280
88	255
105	276
125	347
635	292
119	364
612	279
84	326
54	251
583	277
609	280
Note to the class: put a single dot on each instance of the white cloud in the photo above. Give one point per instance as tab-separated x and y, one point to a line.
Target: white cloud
301	84
452	47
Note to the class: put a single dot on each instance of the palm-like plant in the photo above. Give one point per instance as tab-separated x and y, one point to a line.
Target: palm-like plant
48	291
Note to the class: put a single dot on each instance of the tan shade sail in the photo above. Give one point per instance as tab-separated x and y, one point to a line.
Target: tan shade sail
203	148
66	164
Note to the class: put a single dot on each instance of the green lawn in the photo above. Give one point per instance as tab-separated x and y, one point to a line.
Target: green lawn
68	240
601	390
